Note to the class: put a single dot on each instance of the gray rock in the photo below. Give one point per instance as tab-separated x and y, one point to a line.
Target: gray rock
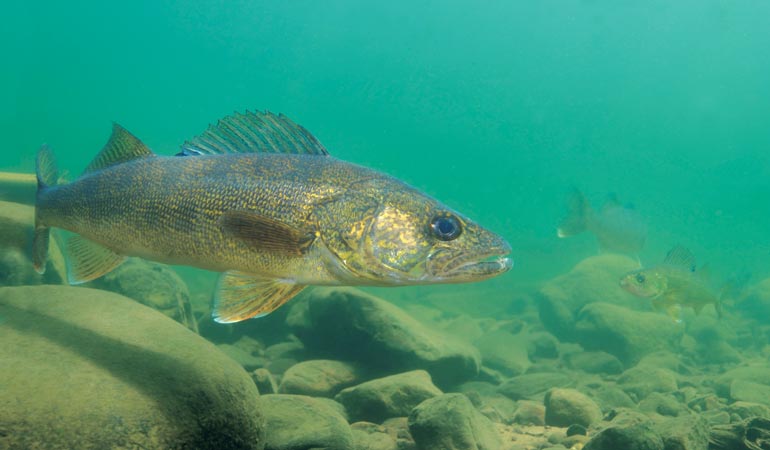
296	422
450	422
392	396
595	362
636	437
504	351
745	410
91	369
369	436
319	378
264	380
759	374
640	381
662	404
533	385
346	323
530	413
594	279
749	391
16	231
155	285
689	432
565	407
610	397
627	334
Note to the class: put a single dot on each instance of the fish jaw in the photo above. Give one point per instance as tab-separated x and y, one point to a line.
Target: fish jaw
469	267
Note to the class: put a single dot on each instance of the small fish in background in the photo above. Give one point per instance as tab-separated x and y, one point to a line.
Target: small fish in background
259	198
674	284
617	228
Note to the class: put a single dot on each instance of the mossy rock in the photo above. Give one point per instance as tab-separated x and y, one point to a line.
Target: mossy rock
89	369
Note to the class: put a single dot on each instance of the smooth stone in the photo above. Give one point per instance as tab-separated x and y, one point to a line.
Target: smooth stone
504	351
610	396
248	361
662	404
532	385
689	432
749	391
450	422
399	428
83	368
759	374
391	396
542	345
345	323
530	413
565	407
369	436
641	381
296	422
745	410
265	381
319	378
594	279
290	350
595	362
637	437
627	334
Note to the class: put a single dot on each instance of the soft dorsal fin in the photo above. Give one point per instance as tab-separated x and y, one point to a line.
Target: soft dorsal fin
121	147
254	132
680	257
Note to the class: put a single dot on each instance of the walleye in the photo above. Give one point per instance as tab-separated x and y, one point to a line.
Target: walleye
673	284
617	227
258	198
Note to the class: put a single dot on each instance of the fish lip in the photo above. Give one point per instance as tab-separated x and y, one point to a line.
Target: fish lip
478	267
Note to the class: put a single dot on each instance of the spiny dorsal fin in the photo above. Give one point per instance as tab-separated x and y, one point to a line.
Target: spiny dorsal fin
241	296
121	147
88	260
254	132
266	234
680	257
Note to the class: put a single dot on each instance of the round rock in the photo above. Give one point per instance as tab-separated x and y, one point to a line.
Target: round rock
83	368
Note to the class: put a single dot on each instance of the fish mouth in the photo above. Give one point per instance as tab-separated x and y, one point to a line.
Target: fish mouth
472	268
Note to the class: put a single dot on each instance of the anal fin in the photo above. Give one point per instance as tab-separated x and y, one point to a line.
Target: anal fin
88	260
241	296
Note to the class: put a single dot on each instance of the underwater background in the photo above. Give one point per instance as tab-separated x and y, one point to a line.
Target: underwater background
497	108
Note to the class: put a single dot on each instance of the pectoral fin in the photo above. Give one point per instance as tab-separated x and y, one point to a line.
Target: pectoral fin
266	234
88	260
241	296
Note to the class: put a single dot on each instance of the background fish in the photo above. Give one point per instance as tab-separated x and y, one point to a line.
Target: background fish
260	199
673	284
617	228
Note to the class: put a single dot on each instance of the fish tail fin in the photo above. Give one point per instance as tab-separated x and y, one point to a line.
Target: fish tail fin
47	176
579	211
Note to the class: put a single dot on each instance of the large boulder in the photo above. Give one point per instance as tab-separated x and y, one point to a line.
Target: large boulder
504	351
17	227
628	335
450	422
83	368
594	279
349	324
565	407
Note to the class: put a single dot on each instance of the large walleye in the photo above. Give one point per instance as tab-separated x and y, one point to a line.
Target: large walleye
259	198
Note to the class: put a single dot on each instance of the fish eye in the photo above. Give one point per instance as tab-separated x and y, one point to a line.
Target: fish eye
640	278
446	228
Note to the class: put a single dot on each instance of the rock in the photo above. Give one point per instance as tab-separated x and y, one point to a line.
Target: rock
610	397
299	422
533	385
759	374
83	368
319	378
265	382
504	351
16	231
399	427
542	345
689	432
391	396
595	362
565	407
369	436
640	381
286	350
530	413
346	323
450	422
745	410
748	391
662	404
627	334
155	285
594	279
636	437
498	408
242	357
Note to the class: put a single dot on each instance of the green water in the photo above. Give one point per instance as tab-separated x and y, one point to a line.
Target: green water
496	108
